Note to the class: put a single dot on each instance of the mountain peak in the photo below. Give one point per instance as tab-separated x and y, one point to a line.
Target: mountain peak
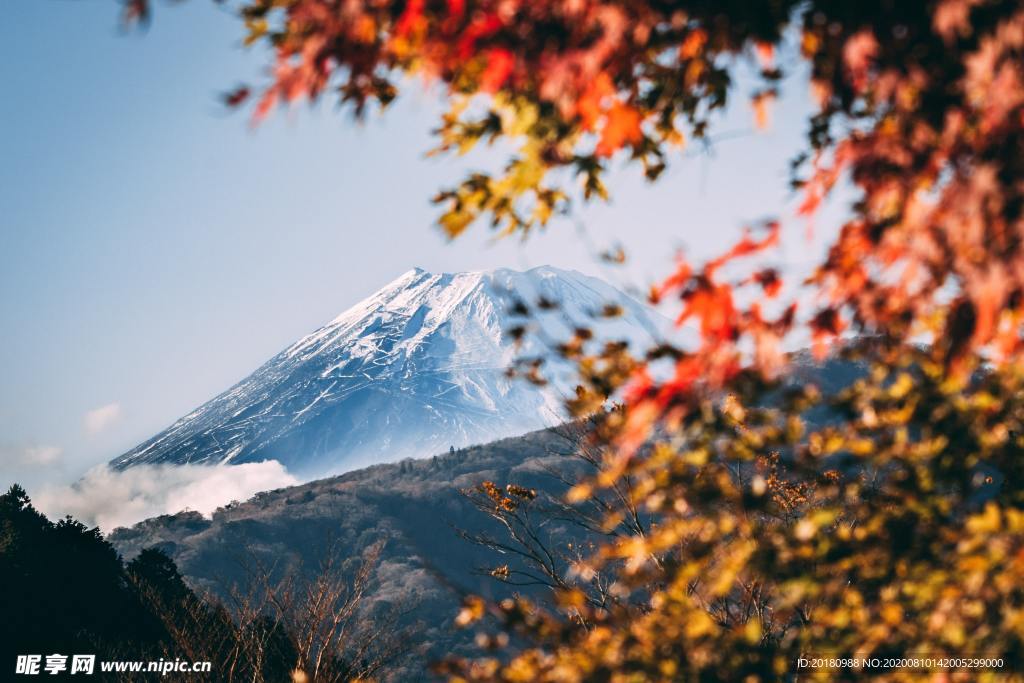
413	369
413	272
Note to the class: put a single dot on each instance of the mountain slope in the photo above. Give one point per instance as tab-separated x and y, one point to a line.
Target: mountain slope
413	507
415	368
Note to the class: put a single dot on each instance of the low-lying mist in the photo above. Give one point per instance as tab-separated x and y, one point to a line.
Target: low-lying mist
110	498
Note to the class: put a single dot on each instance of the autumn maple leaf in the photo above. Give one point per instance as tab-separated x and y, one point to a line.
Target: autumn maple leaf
500	63
621	127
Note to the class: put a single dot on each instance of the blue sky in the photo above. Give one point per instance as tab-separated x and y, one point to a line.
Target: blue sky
155	249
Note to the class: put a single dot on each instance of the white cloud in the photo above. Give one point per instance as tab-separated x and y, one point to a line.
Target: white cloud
40	455
21	455
110	498
98	419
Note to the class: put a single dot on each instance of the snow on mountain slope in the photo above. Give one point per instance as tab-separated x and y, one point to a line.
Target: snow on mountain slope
410	371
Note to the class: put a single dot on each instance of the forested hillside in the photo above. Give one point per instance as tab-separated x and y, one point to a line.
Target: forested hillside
415	509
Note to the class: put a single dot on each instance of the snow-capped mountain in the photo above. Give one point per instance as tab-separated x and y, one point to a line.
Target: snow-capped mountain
410	371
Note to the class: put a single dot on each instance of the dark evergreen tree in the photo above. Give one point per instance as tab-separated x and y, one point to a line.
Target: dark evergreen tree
66	590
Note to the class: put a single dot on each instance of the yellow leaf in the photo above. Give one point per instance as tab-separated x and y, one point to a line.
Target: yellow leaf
257	29
698	624
892	614
989	521
752	631
455	222
472	610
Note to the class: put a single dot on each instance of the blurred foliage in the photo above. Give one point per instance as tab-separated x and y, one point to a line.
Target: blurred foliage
896	529
893	528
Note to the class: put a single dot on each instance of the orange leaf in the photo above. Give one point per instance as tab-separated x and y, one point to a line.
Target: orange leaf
813	195
621	127
410	17
859	54
480	28
713	305
762	109
264	106
589	104
747	245
677	280
693	43
638	386
500	63
688	372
